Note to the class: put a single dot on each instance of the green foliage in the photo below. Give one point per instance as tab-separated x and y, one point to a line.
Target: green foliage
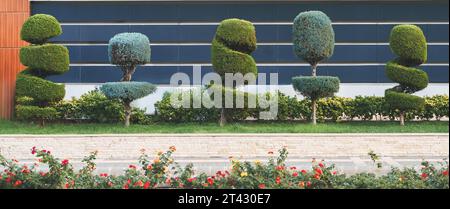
39	28
366	108
409	43
410	79
162	171
313	36
233	43
403	102
435	107
43	60
333	108
316	87
41	91
129	49
35	113
127	91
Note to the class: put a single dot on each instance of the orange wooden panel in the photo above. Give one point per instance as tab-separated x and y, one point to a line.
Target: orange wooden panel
13	13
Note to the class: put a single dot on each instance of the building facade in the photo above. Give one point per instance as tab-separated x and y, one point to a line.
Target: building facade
181	32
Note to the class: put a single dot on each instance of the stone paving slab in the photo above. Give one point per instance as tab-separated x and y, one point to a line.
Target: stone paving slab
208	146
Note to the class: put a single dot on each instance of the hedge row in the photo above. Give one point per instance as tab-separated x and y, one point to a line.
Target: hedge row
163	172
291	108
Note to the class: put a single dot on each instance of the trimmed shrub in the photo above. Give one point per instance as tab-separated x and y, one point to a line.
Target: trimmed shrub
39	28
313	36
40	90
409	44
46	59
35	113
127	92
316	87
33	93
411	79
313	42
366	108
129	50
435	107
234	41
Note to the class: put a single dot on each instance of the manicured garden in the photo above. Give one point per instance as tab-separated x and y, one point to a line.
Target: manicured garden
9	127
161	172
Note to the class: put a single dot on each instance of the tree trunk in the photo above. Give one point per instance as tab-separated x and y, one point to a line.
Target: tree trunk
128	72
314	112
314	70
127	106
223	119
402	118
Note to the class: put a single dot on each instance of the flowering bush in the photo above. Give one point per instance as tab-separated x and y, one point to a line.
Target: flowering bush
162	172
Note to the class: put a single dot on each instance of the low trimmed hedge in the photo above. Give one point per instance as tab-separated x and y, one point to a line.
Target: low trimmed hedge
162	172
290	108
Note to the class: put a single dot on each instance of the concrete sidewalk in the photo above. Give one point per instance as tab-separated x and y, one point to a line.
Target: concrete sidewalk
222	146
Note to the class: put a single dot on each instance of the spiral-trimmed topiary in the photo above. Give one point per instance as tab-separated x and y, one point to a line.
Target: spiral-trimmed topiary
409	44
313	38
127	92
33	92
234	41
128	50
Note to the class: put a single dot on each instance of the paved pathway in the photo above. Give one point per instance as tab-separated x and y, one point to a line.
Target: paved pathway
211	152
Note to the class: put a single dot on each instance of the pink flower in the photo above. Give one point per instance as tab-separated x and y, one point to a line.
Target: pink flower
295	174
424	176
445	173
132	166
33	150
262	186
18	183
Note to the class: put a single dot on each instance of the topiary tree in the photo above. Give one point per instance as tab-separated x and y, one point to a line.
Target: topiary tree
409	44
34	94
128	50
127	92
234	41
313	42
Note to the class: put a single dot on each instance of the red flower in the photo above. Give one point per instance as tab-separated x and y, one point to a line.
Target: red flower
304	171
321	165
293	168
295	174
110	184
146	185
129	181
210	181
424	175
278	180
280	168
317	176
308	184
132	166
17	183
445	173
64	162
7	180
139	183
270	153
149	167
67	185
125	186
33	150
334	172
319	171
103	175
262	186
190	180
42	174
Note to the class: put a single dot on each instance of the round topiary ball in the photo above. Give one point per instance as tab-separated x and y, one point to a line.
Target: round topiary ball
39	28
409	43
129	49
313	36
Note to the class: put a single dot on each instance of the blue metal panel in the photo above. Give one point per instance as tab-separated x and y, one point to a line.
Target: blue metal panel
265	33
263	54
254	11
162	74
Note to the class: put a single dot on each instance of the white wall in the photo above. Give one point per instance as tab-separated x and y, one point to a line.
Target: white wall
346	90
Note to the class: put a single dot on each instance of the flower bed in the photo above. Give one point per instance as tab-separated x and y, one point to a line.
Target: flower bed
162	172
